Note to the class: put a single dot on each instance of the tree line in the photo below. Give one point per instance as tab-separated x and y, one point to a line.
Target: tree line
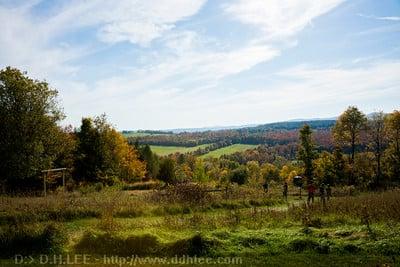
355	150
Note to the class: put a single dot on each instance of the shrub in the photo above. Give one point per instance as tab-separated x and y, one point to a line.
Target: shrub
109	244
30	240
299	245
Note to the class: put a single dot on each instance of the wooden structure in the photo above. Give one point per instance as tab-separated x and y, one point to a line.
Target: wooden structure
46	175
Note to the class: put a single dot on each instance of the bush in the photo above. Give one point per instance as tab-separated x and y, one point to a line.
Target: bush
30	240
108	244
194	246
299	245
239	175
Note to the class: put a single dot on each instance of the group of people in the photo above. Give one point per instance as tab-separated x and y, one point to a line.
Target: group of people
325	192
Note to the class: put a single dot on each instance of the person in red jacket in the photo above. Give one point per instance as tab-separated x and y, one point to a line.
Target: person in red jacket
311	192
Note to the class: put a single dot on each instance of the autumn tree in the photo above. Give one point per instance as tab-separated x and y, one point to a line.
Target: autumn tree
30	139
103	154
392	126
347	132
269	172
307	151
324	169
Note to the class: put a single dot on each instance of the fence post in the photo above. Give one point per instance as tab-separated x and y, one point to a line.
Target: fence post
44	183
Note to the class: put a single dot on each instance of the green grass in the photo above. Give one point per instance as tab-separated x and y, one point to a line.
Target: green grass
228	150
360	230
166	150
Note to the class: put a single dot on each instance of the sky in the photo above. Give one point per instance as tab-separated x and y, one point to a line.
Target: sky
164	64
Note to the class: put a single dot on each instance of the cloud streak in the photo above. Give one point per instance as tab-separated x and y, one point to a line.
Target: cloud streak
387	18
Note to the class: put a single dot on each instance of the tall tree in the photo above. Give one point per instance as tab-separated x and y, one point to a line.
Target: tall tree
307	151
376	138
29	135
167	171
339	166
104	154
151	159
347	131
392	126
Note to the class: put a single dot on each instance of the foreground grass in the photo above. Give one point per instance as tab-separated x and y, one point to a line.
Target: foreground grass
228	150
361	230
167	150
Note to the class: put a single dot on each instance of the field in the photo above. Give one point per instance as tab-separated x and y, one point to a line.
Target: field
166	150
228	150
242	224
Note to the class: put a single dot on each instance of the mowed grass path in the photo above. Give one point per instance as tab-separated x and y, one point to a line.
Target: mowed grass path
228	150
166	150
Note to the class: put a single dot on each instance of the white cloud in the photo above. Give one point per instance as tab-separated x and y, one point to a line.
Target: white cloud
279	18
31	42
388	18
136	21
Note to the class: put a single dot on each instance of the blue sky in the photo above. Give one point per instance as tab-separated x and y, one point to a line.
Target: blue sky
161	64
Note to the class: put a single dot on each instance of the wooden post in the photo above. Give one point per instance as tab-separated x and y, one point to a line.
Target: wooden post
63	177
44	183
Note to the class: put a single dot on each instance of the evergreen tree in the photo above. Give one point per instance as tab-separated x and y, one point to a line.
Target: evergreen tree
307	152
167	171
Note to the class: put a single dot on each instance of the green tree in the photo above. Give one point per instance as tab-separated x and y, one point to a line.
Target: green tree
392	126
377	138
167	171
239	175
151	159
347	130
103	154
29	135
199	172
307	151
339	166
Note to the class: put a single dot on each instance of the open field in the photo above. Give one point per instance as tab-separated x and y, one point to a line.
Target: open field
228	150
166	150
244	224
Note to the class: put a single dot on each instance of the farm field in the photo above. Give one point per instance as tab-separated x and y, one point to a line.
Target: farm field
246	226
228	150
167	150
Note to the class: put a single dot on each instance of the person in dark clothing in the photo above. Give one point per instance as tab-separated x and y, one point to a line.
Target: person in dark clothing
311	192
328	192
285	190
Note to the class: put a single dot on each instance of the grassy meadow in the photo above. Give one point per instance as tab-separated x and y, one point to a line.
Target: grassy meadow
353	229
228	150
167	150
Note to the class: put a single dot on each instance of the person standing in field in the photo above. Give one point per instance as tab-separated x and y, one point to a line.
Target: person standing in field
328	192
285	190
311	191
